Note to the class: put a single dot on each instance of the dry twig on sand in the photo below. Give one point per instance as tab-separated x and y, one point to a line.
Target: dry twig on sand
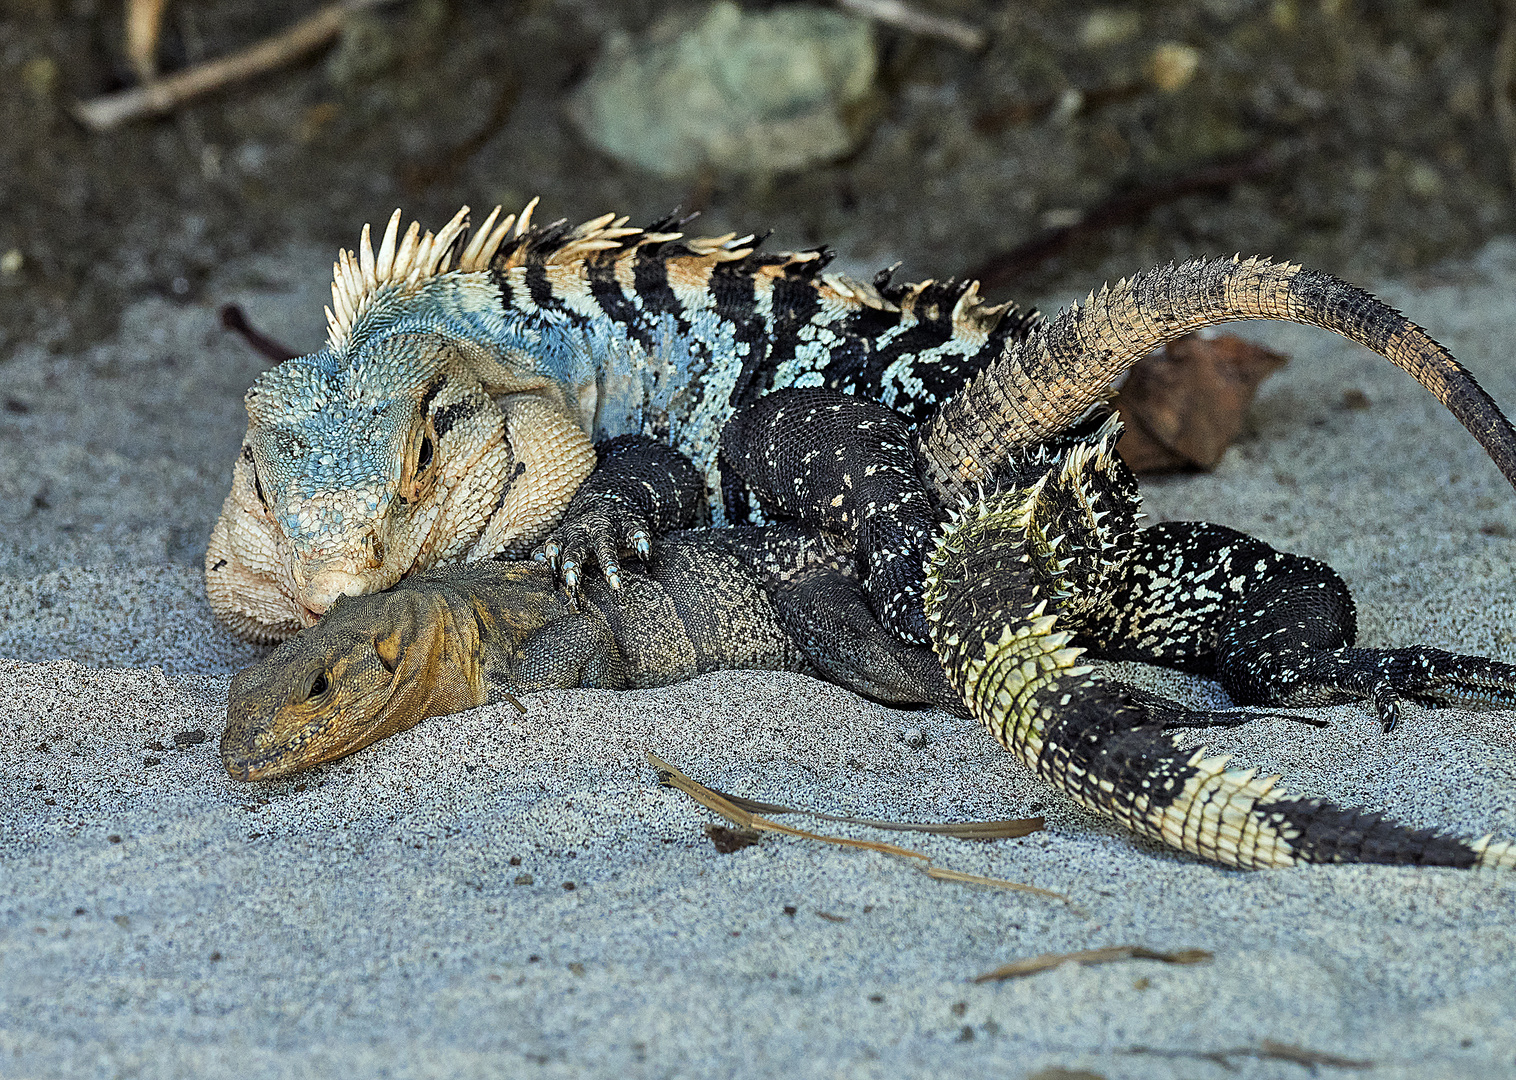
749	824
166	94
1034	964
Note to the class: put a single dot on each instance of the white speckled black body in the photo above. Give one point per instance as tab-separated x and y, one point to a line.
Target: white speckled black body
1048	569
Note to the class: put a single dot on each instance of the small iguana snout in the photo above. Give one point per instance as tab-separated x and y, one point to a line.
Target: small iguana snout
374	665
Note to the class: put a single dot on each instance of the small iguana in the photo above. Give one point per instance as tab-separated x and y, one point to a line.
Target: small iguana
1020	586
454	410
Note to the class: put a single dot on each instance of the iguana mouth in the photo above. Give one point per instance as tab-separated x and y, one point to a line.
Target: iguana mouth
328	583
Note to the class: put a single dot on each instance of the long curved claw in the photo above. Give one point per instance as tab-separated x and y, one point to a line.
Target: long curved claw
1386	678
1386	703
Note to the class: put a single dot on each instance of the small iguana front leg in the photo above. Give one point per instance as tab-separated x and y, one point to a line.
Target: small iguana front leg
1274	628
640	489
576	650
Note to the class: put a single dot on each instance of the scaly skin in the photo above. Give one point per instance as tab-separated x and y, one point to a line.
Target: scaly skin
1028	581
1025	674
383	455
448	640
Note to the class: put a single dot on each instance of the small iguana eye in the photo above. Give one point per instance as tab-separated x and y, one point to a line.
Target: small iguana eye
424	458
316	687
258	490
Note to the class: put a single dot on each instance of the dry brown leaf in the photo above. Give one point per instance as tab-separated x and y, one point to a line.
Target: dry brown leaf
942	873
1184	404
726	840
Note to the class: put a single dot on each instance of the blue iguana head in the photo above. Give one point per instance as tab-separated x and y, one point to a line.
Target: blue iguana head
413	439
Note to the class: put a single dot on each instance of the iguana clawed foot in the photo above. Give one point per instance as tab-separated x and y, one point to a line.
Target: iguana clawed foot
1418	673
598	537
639	489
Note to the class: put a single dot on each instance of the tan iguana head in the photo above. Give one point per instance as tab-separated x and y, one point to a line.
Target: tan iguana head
376	665
410	441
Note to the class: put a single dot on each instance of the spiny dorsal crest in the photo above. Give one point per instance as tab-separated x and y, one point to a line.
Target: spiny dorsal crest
970	315
402	264
864	293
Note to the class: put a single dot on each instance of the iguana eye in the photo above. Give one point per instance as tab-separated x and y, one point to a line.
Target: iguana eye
316	686
420	478
247	456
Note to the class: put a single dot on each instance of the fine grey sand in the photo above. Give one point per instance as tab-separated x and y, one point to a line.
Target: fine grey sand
493	894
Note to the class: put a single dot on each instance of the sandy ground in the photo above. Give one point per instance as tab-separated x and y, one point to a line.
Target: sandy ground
494	895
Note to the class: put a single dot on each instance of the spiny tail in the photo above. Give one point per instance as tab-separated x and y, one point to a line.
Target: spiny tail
1002	651
1045	381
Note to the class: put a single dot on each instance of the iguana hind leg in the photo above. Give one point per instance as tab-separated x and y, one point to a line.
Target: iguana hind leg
1274	628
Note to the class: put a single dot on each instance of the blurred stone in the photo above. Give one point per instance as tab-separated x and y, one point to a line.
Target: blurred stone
1172	65
736	93
1424	180
365	50
1109	26
39	76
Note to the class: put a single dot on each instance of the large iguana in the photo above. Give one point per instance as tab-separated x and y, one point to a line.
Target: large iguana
386	453
1020	588
454	410
1025	584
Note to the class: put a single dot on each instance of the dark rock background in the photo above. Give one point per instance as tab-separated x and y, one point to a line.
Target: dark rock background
1378	116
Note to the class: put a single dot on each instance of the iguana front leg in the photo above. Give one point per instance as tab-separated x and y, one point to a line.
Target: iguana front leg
1274	628
640	489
